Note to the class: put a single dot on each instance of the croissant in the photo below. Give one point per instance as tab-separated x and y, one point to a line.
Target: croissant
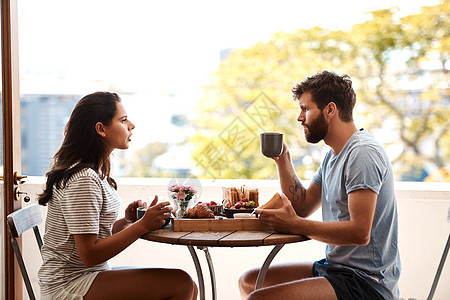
199	211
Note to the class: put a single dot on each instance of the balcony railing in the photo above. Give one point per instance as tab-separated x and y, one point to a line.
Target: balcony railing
423	231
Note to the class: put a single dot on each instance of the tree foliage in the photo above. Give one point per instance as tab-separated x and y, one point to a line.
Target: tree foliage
399	67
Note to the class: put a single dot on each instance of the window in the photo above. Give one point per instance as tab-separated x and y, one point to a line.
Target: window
168	61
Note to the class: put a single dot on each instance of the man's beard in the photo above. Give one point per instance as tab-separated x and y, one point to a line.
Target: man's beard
317	130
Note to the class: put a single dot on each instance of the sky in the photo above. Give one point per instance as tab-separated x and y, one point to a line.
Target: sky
159	50
158	44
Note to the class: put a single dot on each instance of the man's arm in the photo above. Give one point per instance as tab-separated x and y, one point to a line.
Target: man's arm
305	201
356	231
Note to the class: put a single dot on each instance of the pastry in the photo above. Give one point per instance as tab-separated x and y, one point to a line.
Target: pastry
199	211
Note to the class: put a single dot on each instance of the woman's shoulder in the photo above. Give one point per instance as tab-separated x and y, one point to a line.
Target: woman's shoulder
86	174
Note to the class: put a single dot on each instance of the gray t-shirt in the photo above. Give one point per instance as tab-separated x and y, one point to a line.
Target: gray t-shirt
362	164
87	205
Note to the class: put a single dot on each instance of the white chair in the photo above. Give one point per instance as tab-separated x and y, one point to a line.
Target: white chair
19	222
441	263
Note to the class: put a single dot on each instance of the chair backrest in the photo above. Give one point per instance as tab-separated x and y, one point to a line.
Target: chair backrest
18	222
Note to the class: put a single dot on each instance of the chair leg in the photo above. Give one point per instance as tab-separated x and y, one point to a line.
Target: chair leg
37	234
439	270
23	270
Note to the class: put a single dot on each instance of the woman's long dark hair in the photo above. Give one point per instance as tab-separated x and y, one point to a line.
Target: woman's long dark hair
82	146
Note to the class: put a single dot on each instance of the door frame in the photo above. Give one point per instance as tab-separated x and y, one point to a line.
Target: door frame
11	136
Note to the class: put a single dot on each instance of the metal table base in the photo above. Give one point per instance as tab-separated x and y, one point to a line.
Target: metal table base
201	283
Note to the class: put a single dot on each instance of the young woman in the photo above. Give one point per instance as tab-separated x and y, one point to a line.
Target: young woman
81	231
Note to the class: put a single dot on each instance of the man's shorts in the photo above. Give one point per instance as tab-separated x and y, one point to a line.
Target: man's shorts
351	284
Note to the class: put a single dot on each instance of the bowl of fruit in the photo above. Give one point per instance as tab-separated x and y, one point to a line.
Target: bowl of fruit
212	205
243	206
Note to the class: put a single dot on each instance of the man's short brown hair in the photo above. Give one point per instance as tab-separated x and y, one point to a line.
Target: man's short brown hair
326	87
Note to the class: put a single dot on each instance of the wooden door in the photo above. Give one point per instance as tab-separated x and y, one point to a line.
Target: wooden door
12	281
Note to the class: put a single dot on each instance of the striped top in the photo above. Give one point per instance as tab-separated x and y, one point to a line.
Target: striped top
86	205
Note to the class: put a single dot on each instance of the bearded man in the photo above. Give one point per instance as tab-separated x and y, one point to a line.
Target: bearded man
354	186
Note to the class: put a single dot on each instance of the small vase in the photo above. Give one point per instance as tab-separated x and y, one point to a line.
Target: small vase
183	205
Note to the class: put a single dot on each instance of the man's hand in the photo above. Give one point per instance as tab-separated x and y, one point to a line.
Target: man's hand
284	154
280	219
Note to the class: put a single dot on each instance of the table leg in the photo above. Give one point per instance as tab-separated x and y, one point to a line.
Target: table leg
211	271
262	273
198	268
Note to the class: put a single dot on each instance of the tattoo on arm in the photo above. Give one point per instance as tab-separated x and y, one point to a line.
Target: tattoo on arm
294	188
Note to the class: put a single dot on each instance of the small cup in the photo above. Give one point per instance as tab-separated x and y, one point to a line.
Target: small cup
271	143
141	212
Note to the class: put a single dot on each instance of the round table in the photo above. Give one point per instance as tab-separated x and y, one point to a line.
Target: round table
204	239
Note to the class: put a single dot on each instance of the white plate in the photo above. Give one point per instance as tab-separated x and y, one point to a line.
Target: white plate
244	216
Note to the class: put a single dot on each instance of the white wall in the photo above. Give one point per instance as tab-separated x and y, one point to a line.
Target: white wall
422	224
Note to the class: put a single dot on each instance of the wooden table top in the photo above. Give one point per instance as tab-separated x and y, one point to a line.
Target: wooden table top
221	238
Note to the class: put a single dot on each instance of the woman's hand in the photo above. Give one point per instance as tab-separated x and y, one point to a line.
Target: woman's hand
131	211
155	214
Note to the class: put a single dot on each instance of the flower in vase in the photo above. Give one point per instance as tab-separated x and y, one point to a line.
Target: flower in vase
182	191
181	195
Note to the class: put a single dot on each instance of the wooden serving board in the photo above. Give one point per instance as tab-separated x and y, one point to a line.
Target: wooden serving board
218	224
